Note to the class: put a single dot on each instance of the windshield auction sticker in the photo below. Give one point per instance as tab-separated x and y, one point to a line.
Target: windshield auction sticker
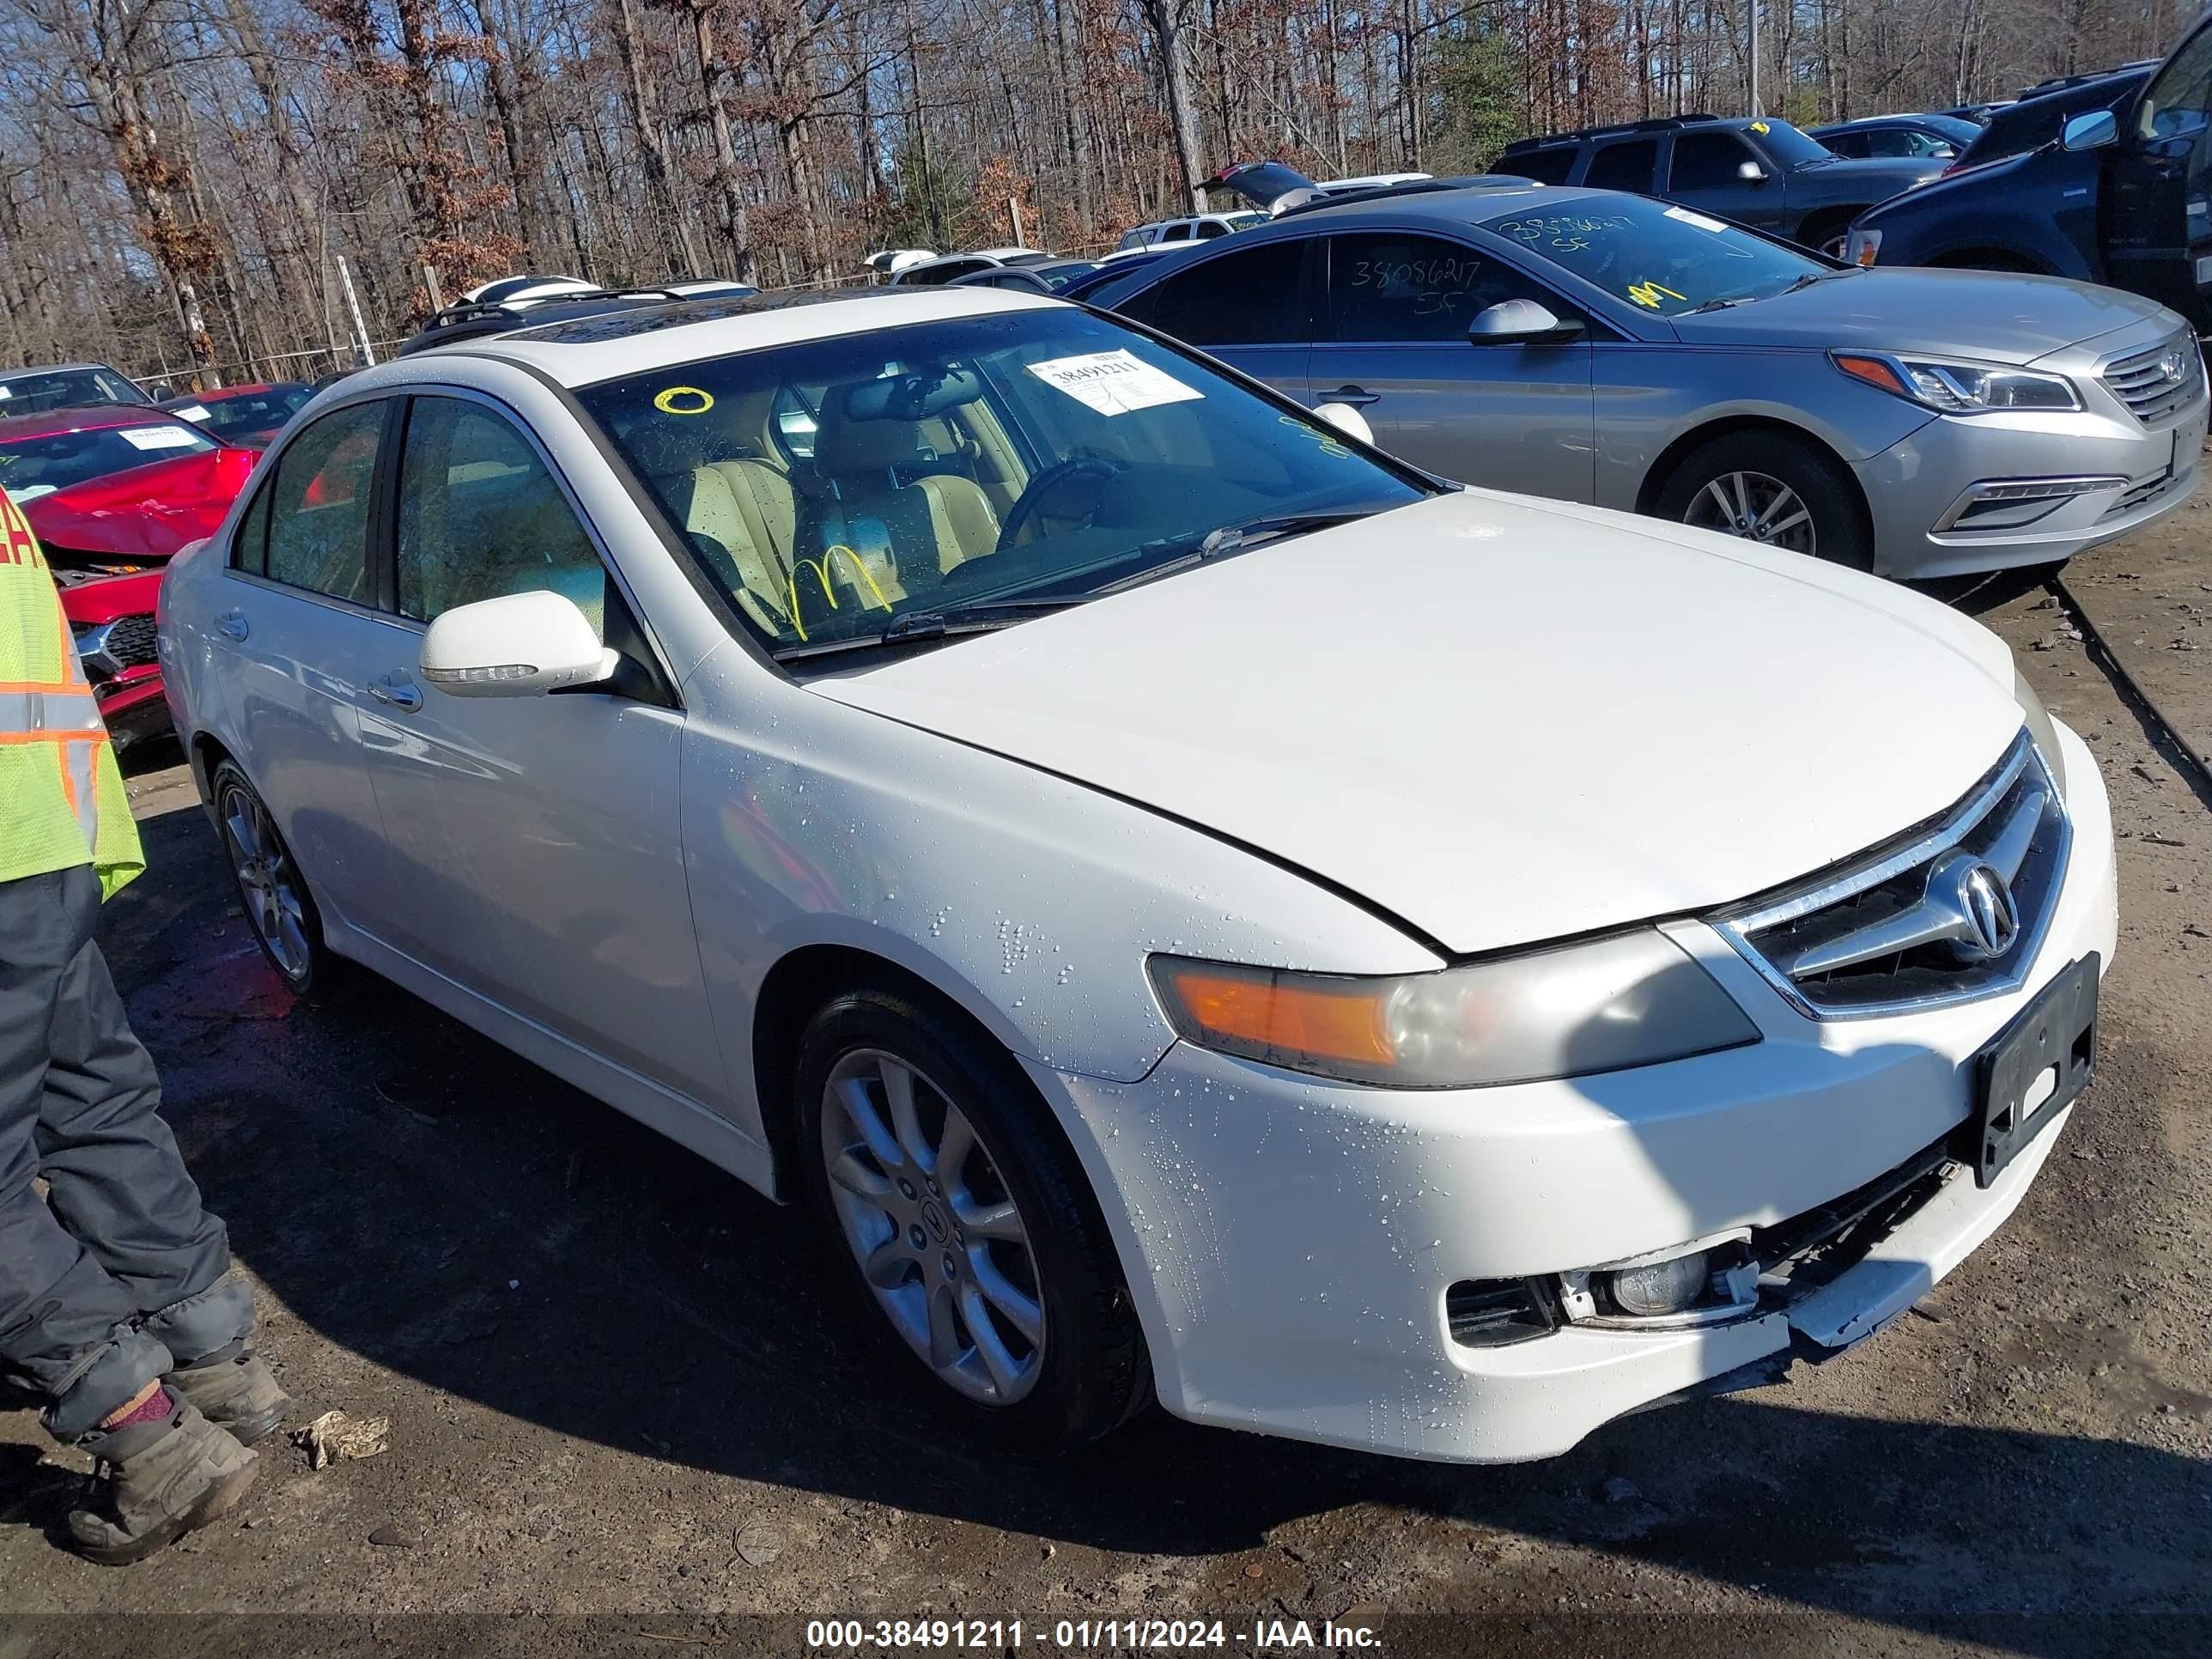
1698	219
160	437
1113	382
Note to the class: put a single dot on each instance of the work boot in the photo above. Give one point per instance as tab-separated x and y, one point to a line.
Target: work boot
235	1390
163	1479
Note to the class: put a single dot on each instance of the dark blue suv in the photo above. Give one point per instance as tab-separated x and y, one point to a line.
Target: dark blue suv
2105	182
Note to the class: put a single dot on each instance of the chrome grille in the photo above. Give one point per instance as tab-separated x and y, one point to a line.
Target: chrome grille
1897	929
2161	382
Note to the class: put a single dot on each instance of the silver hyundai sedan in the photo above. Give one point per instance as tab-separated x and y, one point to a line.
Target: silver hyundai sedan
1610	349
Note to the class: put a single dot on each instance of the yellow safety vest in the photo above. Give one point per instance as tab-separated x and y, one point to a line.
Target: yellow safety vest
61	798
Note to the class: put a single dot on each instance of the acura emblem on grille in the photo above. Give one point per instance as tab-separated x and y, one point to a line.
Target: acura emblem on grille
1977	895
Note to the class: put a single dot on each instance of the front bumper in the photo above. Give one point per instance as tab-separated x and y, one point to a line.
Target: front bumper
133	706
1917	490
1290	1242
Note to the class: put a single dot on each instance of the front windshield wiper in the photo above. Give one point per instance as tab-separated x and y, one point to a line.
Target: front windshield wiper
1230	537
1792	287
911	627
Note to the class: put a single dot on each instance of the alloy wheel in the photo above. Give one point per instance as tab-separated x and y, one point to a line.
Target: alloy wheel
266	881
938	1237
1756	506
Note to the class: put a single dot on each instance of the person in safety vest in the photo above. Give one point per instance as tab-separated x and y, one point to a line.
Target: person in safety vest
117	1301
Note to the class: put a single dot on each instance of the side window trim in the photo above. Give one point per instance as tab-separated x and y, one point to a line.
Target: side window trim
656	660
264	507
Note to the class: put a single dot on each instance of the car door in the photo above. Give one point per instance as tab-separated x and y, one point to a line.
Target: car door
1516	416
1252	308
293	617
535	850
1705	170
2161	207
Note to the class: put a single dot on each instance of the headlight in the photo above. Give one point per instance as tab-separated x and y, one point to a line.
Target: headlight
1863	248
1959	388
1629	999
2041	728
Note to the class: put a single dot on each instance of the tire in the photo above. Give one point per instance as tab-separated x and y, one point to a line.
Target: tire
937	1271
272	891
1828	233
1702	490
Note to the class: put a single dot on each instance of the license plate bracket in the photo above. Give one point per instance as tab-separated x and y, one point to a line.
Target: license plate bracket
2058	1032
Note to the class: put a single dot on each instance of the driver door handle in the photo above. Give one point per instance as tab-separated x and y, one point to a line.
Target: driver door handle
395	689
1359	396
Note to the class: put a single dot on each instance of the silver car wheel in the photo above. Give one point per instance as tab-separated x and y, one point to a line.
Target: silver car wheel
267	883
938	1235
1758	506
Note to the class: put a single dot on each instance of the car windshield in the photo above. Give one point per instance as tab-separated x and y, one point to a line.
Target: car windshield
1958	133
32	467
1787	146
1058	276
1667	259
40	390
946	471
248	412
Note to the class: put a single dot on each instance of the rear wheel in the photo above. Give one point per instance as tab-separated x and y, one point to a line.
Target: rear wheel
270	888
972	1237
1769	488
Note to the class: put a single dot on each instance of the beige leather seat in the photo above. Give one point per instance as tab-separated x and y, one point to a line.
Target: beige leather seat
759	571
942	520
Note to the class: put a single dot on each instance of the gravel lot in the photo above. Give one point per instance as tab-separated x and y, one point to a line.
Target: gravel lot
625	1415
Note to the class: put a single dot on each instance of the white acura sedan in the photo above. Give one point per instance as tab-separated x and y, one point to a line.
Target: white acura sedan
1191	905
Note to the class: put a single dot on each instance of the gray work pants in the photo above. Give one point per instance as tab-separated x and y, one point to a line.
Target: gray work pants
118	1275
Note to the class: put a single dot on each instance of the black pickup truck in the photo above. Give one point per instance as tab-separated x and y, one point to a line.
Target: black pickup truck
2107	181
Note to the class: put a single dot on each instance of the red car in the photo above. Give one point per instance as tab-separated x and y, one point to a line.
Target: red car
112	617
248	414
113	491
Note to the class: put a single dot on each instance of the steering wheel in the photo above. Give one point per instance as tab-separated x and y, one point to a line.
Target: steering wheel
1031	502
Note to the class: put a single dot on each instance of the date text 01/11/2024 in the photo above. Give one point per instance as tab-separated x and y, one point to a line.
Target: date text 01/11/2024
1000	1635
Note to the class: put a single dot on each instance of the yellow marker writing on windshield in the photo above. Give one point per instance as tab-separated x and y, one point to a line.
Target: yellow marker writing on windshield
1760	126
1647	293
684	400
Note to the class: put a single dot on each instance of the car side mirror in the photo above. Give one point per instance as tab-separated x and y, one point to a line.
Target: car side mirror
1942	153
516	646
1517	322
1751	173
1348	420
2098	128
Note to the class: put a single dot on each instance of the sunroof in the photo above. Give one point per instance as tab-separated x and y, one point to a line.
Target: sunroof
650	318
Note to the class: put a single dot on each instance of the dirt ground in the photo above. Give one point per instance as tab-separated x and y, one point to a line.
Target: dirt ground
626	1415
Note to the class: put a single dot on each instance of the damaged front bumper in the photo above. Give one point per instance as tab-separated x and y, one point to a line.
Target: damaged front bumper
1301	1252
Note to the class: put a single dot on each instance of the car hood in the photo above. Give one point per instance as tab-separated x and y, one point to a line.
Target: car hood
1997	316
1872	178
1499	720
147	512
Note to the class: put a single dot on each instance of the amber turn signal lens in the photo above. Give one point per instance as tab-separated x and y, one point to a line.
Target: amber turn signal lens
1260	1013
1873	371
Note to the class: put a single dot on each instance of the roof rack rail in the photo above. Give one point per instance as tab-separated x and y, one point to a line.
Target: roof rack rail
1656	124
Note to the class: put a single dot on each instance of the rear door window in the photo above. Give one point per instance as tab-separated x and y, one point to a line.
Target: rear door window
1254	296
319	505
1546	167
1632	165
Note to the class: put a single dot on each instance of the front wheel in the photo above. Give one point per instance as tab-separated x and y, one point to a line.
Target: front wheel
270	888
969	1230
1773	489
